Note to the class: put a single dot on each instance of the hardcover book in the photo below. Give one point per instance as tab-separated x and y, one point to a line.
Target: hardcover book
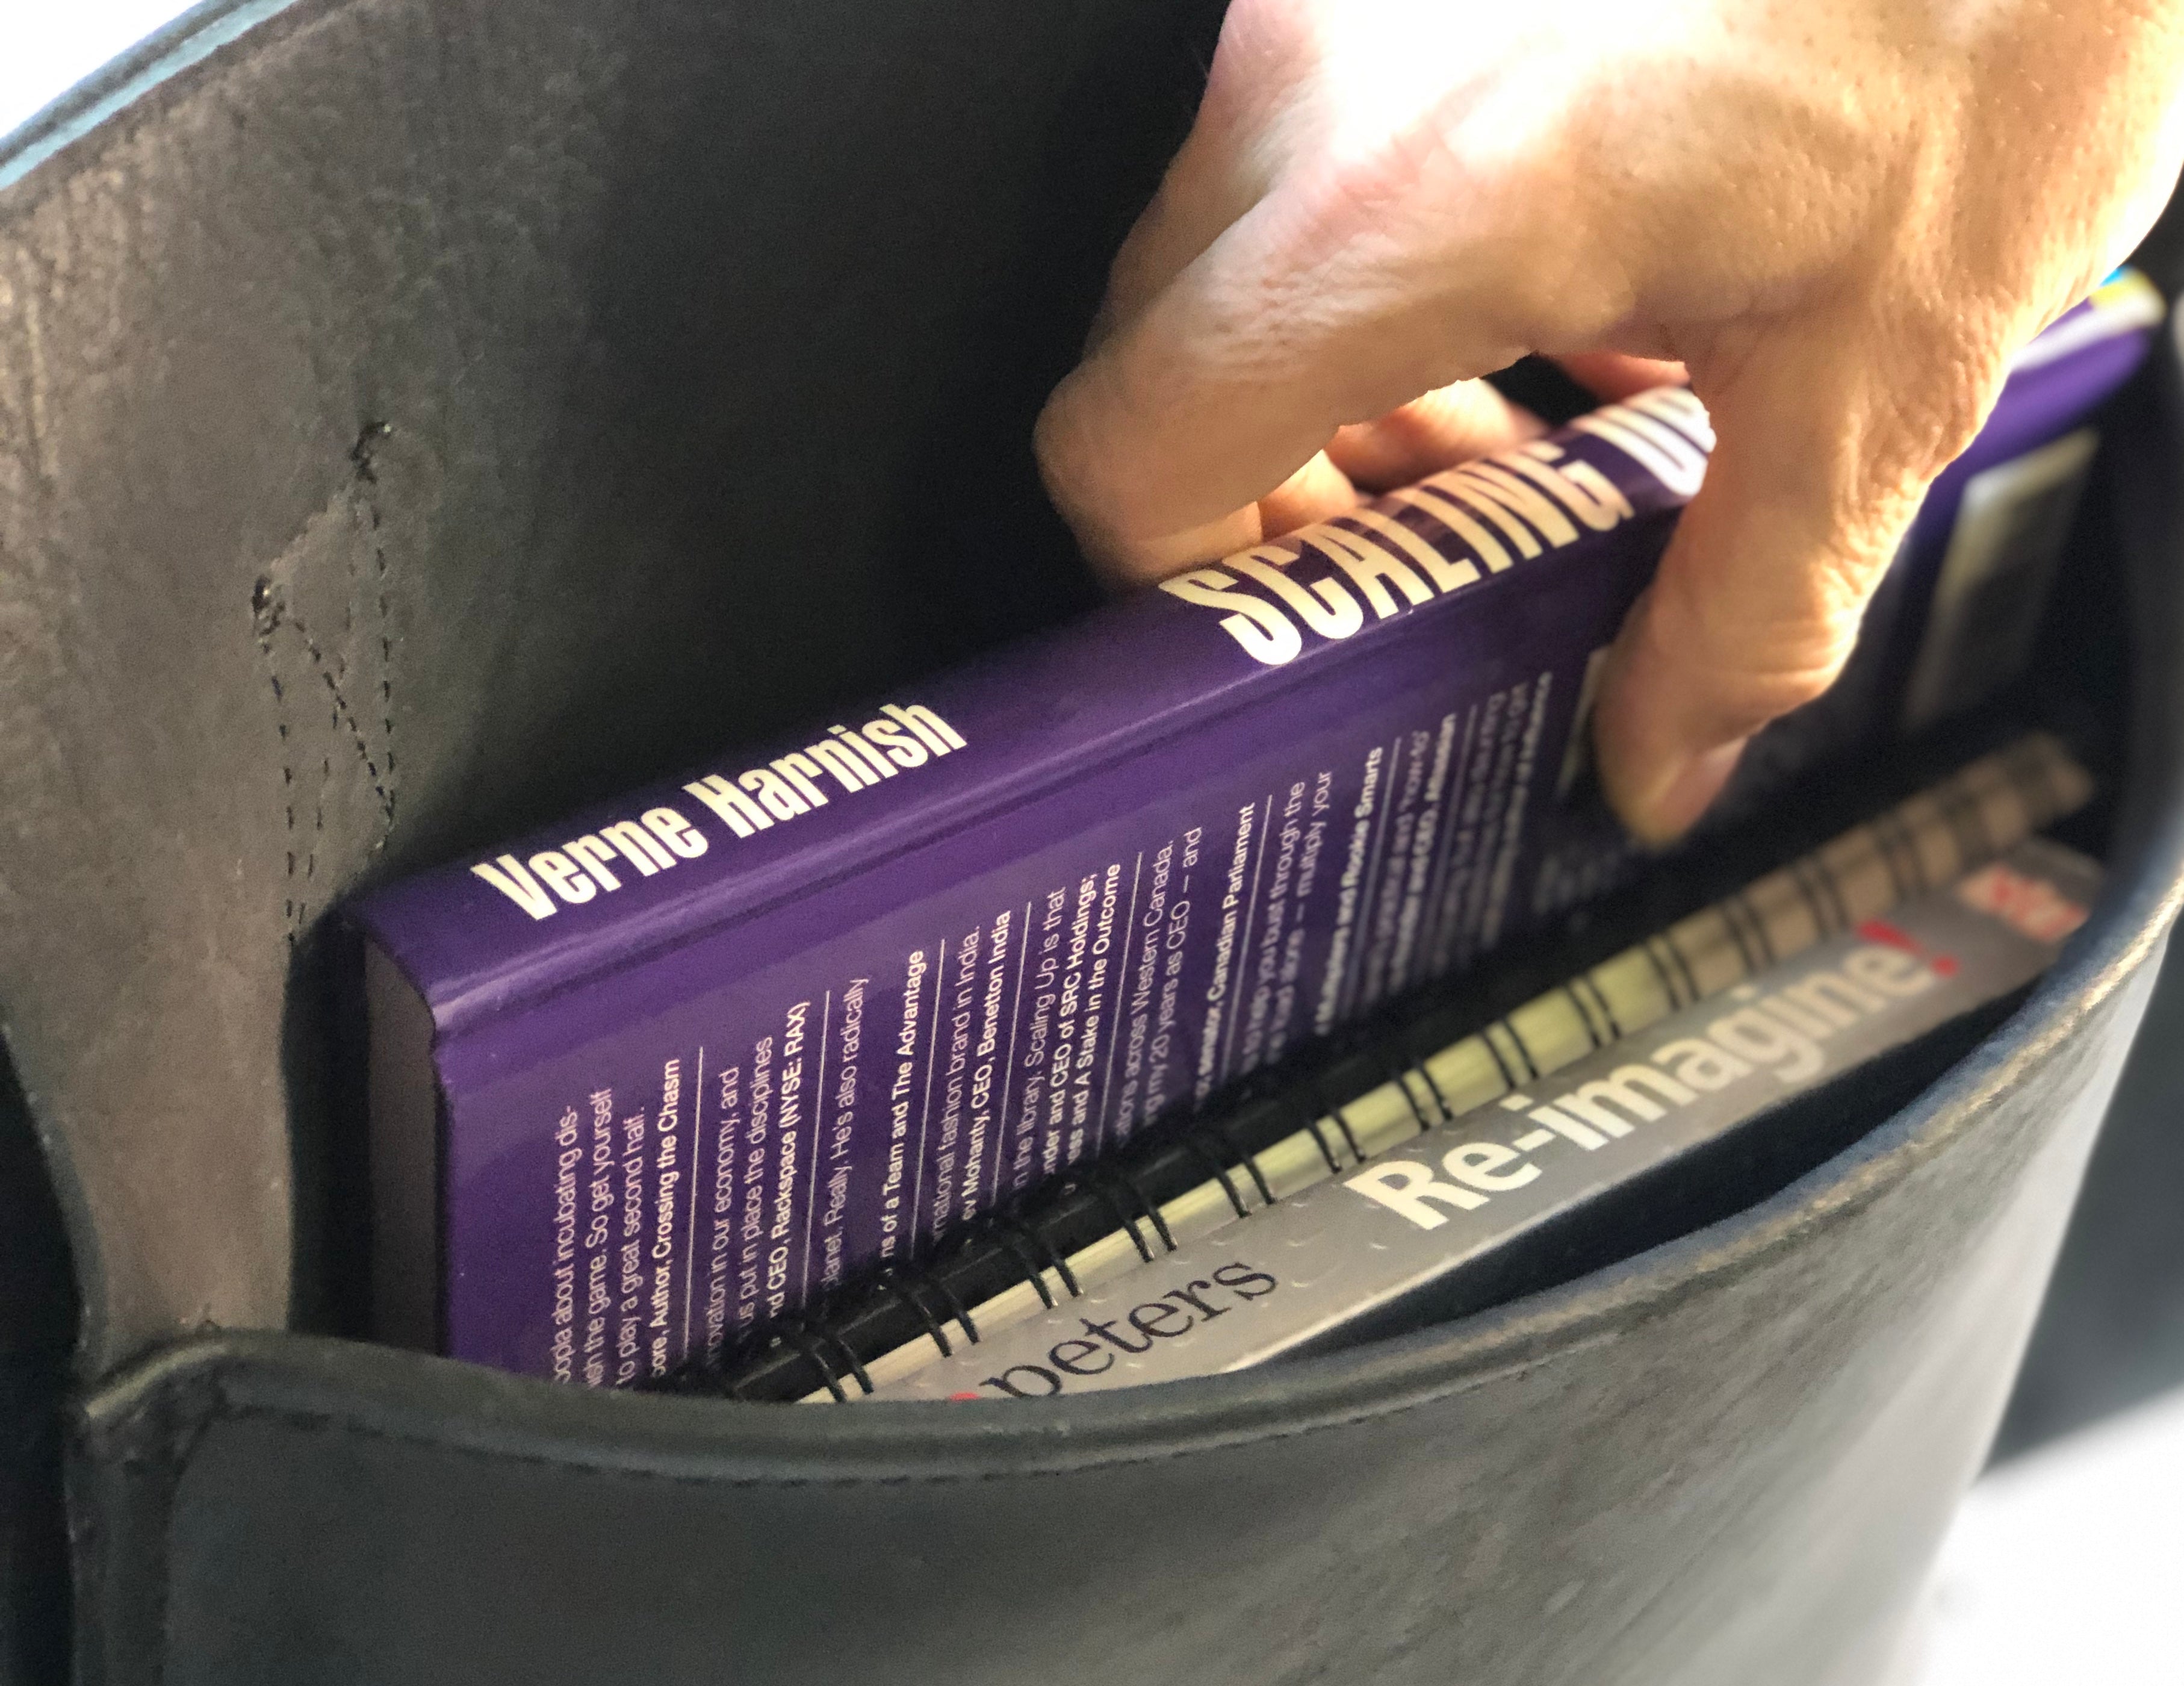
647	1084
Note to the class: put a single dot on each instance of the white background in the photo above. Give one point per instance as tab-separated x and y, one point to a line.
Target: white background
2065	1569
46	45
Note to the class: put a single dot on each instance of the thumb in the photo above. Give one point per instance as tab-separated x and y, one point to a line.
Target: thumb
1821	461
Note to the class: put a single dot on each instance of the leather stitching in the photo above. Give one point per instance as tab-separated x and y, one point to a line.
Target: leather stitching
265	616
367	480
274	613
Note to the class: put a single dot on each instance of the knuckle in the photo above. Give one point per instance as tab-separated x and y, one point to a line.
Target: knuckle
1447	415
1080	443
1752	666
1938	396
1057	446
1745	697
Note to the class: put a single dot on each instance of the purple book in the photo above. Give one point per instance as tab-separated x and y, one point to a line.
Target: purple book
649	1082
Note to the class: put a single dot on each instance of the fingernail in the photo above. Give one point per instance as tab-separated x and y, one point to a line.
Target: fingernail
1686	793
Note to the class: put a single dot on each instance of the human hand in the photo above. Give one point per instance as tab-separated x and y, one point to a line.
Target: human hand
1843	218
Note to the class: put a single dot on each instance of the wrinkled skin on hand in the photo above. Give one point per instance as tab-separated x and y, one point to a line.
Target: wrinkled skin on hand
1841	216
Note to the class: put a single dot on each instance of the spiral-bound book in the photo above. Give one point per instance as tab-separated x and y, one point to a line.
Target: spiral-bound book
655	1079
1390	1243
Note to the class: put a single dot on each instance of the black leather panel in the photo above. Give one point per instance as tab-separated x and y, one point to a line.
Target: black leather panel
1727	1462
37	1327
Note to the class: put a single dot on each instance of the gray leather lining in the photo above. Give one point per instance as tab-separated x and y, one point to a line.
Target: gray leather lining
415	417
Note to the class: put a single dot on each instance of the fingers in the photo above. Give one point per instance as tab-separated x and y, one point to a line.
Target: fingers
1233	152
1211	183
1245	129
1450	425
1319	491
1822	459
1240	370
1272	293
1613	375
1124	561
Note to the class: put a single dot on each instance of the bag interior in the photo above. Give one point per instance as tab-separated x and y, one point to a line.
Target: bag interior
542	466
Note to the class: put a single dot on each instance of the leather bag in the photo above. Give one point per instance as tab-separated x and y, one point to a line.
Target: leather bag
417	416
